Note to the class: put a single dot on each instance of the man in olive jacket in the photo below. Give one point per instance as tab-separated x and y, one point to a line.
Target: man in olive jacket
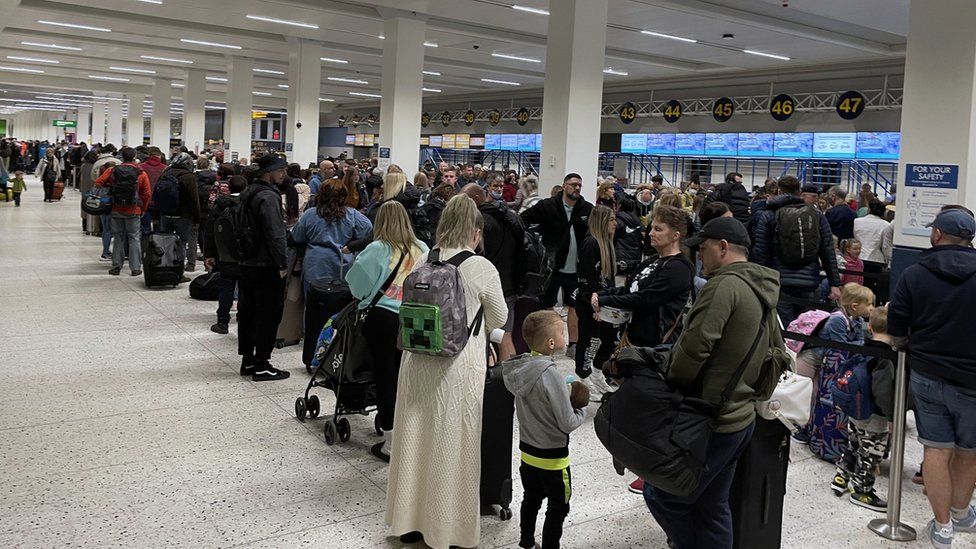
719	330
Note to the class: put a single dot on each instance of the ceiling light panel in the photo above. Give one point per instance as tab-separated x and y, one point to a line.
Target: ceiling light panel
432	73
74	26
361	94
515	57
166	59
504	82
52	46
528	9
107	78
216	79
213	44
268	71
669	36
347	80
33	59
334	60
21	69
130	69
282	21
615	72
763	54
433	90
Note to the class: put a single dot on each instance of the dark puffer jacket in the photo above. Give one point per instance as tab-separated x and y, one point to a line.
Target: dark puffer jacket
502	243
764	249
550	217
628	242
263	203
735	196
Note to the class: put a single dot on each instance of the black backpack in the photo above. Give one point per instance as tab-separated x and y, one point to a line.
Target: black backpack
125	185
166	194
205	183
234	232
536	266
422	225
797	234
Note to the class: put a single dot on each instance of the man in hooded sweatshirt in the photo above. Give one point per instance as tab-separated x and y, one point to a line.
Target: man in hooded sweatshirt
719	330
185	220
154	166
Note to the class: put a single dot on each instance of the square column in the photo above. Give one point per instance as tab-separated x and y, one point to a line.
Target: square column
194	99
114	129
573	92
237	117
402	101
160	135
304	85
135	126
83	117
98	123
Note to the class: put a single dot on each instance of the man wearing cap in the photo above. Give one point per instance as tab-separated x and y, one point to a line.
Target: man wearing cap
261	288
719	331
185	221
933	309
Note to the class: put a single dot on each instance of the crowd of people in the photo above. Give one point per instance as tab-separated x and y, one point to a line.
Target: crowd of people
692	267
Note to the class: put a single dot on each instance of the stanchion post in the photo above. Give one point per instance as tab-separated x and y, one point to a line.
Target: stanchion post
891	526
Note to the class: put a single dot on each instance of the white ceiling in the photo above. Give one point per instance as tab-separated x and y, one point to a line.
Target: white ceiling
810	32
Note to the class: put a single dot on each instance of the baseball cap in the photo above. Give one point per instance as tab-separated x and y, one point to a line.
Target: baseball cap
721	228
270	163
955	222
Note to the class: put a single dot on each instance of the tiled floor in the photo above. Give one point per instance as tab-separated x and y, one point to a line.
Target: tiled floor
125	424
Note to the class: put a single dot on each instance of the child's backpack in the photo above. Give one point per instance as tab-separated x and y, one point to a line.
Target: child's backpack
808	323
125	185
217	189
797	234
851	393
433	314
166	195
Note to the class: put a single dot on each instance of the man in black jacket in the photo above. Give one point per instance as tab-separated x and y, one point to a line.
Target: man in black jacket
562	223
261	290
185	221
735	196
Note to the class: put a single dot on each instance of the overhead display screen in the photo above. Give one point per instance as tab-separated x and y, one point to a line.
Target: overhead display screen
477	142
448	140
526	142
834	145
756	144
721	144
878	145
425	141
436	141
493	141
793	145
689	144
350	139
634	143
660	143
509	142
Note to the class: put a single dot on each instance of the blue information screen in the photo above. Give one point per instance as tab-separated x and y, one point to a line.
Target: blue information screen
793	145
526	141
834	145
509	142
756	144
721	144
878	145
689	143
660	143
634	143
493	141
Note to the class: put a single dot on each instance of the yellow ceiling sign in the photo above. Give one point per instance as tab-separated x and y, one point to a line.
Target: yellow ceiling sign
258	114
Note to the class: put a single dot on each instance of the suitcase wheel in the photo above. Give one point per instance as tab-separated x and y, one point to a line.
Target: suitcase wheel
505	513
300	408
344	430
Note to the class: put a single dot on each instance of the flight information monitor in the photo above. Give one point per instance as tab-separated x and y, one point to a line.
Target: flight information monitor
793	145
690	144
660	143
721	144
834	145
509	142
756	144
493	141
634	143
878	145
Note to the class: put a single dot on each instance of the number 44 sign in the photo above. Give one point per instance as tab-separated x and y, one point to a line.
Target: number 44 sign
928	187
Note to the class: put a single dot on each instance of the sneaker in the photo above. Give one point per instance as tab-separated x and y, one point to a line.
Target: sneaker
839	485
917	478
411	537
267	372
247	366
636	487
571	351
802	436
601	382
940	538
596	394
136	273
870	501
967	524
104	257
233	306
114	271
377	450
184	279
219	328
190	268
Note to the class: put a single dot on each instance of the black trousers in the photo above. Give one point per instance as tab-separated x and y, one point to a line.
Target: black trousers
48	189
597	341
538	485
261	299
381	328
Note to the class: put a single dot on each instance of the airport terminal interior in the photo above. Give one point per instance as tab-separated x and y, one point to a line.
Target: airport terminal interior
129	419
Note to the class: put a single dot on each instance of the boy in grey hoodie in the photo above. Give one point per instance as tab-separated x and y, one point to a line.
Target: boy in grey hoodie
546	416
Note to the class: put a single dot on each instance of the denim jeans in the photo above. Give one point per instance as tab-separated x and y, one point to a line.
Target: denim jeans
106	234
945	414
146	224
184	229
703	519
126	227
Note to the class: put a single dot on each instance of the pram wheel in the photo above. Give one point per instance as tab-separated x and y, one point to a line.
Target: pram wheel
313	406
330	432
505	513
279	344
376	425
344	429
300	409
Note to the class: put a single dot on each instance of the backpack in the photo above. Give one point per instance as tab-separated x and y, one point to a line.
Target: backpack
851	393
536	266
225	229
797	234
166	194
245	242
433	314
206	181
125	185
217	189
420	220
808	323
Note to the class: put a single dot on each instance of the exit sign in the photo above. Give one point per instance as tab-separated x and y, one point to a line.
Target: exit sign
64	123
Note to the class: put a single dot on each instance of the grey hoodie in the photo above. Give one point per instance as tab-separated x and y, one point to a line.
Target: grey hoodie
545	414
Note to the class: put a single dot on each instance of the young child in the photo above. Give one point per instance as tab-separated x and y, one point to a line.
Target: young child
850	260
546	417
867	439
17	185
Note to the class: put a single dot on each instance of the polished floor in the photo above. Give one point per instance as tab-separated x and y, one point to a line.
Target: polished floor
126	424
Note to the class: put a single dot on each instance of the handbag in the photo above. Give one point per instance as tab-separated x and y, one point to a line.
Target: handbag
790	402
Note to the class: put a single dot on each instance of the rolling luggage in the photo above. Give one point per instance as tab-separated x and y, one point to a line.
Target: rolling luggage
759	486
325	299
163	259
497	431
57	191
290	327
205	286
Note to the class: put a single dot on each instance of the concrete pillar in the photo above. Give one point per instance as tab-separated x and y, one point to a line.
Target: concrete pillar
160	135
573	92
83	117
304	85
194	99
114	128
938	117
135	125
98	123
237	117
402	102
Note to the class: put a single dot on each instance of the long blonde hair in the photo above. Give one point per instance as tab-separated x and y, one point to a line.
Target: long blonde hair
393	227
599	221
459	220
393	184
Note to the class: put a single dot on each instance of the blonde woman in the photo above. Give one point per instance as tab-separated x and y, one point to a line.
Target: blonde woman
597	266
396	188
436	459
394	249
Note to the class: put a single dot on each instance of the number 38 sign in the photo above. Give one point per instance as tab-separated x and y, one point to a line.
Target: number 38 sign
850	105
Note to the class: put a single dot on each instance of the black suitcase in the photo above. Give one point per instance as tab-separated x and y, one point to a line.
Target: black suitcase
163	260
206	286
324	299
757	493
497	424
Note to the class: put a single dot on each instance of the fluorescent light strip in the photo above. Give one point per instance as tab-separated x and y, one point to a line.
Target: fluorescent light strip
107	78
349	80
260	93
86	96
157	2
130	69
21	69
431	45
168	59
268	71
516	58
283	86
205	43
770	55
52	46
33	60
381	37
282	21
434	90
333	60
432	73
360	94
669	36
73	26
215	108
505	82
177	85
216	79
531	10
326	99
618	73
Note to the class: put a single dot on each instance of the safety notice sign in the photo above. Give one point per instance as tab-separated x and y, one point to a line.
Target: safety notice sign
928	187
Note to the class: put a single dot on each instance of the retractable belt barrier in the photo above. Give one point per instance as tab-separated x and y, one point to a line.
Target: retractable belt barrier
865	274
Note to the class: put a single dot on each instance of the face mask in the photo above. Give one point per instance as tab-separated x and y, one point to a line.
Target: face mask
496	196
692	192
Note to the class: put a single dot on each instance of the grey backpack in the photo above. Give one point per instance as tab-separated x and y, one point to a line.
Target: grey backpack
433	313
